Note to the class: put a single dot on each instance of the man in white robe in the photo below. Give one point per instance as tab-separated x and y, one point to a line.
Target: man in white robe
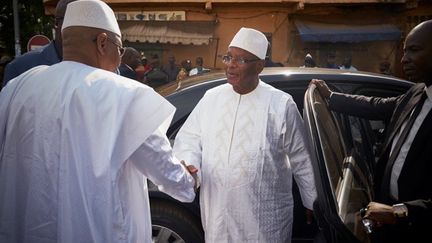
248	141
77	142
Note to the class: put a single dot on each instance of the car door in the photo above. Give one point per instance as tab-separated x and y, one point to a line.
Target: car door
343	187
344	155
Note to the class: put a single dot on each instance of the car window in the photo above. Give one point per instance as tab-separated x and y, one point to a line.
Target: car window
375	129
349	186
331	144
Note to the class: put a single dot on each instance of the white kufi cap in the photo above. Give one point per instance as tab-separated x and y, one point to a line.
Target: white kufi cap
252	41
91	13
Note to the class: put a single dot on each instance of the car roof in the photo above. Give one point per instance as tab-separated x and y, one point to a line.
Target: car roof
295	73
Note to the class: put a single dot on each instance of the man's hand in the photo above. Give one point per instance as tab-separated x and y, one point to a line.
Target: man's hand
380	213
193	171
322	87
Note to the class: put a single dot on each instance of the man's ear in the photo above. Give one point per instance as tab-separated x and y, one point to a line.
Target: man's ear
101	43
260	66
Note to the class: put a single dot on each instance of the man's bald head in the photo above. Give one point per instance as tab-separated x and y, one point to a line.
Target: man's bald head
417	56
91	35
424	27
92	46
78	43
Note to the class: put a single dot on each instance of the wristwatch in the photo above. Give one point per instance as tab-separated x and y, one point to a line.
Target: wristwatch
400	211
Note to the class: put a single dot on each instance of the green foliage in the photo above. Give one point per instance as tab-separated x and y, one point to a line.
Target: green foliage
32	21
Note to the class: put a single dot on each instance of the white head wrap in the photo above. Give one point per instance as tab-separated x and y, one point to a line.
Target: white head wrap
252	41
91	13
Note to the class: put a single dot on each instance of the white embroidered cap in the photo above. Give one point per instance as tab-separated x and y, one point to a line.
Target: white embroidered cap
252	41
91	13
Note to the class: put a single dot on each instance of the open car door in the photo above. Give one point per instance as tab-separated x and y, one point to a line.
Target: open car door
342	174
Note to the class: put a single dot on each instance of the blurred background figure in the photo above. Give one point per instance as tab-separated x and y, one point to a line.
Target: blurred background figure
147	67
130	61
384	67
331	61
347	64
186	66
143	68
198	69
268	62
4	60
171	68
309	61
156	77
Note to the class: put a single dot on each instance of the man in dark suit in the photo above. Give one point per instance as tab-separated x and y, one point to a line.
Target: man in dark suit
47	55
403	174
131	59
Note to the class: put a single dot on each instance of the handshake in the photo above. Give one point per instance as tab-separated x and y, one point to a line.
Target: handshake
193	171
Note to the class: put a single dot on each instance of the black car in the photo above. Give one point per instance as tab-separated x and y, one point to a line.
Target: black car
345	150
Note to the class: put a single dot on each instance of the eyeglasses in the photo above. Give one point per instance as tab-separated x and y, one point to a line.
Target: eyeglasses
239	60
120	48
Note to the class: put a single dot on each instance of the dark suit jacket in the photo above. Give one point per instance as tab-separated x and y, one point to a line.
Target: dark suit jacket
46	55
415	180
127	71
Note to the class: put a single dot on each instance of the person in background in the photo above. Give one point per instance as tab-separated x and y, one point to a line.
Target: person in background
147	66
384	68
309	61
402	207
4	60
331	61
78	143
269	63
347	64
143	69
171	68
248	140
184	71
156	77
47	55
130	61
199	68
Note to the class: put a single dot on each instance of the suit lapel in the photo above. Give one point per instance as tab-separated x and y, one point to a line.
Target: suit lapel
405	113
420	139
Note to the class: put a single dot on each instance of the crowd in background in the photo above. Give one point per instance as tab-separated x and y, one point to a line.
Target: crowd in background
150	71
309	62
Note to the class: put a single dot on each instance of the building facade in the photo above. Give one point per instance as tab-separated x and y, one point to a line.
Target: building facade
369	31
